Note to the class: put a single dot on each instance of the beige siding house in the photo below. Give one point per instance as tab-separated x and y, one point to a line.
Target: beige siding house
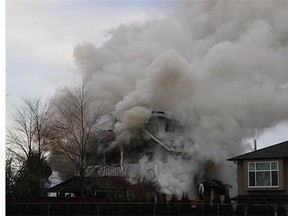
263	175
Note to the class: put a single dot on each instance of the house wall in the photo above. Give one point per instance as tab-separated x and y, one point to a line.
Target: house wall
241	177
285	179
243	188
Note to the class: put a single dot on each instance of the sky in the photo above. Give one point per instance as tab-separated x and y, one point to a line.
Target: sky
41	36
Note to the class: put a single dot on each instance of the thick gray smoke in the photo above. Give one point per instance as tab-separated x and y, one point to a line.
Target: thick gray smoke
219	66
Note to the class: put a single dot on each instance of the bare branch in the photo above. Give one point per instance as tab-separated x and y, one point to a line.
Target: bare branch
76	129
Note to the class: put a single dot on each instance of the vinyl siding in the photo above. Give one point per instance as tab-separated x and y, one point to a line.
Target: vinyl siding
243	179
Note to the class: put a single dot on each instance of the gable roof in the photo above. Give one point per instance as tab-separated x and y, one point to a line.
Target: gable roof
279	150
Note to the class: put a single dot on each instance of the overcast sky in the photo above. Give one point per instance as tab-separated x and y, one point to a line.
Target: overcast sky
41	36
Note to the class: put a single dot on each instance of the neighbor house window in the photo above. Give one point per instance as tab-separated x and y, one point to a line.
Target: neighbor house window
263	174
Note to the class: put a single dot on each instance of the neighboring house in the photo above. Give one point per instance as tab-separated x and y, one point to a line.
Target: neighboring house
105	188
263	175
108	188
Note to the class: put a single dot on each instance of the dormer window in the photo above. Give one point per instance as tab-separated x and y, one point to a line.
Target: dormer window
263	174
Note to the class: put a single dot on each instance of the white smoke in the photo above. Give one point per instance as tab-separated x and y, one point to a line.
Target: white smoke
133	119
219	66
130	124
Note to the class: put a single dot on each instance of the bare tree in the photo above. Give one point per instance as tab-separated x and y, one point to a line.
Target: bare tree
10	172
29	127
145	185
77	131
27	136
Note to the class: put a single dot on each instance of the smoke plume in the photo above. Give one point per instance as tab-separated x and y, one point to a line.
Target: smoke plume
219	66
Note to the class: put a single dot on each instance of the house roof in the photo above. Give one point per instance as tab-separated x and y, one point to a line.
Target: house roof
104	182
279	150
213	183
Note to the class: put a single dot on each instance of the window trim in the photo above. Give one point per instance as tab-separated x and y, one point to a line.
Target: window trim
270	170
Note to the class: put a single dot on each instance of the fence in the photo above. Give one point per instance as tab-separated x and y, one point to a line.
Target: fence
141	209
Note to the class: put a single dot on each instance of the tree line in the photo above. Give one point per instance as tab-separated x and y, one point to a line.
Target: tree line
52	134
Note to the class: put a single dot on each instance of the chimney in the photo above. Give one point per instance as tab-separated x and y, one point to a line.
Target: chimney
255	145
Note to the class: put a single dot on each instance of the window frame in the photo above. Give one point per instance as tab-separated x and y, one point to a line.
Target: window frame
268	170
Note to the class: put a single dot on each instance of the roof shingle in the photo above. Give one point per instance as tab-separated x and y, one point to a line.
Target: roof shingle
279	150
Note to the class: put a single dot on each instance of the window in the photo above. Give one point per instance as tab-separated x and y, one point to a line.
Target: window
263	174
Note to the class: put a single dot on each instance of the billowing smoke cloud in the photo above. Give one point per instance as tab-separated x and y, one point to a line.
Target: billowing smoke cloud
134	118
131	122
219	66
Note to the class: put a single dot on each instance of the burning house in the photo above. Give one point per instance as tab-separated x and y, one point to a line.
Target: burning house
221	75
145	157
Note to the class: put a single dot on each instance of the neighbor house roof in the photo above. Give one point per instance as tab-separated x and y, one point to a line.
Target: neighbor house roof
279	150
105	182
